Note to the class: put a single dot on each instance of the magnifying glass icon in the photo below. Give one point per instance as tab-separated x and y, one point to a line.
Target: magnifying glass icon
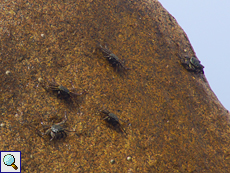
9	160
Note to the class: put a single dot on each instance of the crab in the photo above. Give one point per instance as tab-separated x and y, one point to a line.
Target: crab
112	120
193	64
62	92
56	131
116	63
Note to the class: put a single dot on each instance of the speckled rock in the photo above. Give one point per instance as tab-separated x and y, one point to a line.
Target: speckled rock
173	120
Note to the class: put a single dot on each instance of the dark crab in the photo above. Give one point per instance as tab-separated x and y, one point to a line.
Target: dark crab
112	120
116	63
56	131
193	64
62	92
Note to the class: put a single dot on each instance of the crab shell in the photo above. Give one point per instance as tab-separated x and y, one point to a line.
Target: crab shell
196	63
112	119
57	132
112	59
63	91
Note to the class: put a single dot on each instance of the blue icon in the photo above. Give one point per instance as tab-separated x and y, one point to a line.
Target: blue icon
9	160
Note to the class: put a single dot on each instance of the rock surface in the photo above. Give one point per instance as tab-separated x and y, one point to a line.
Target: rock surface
173	120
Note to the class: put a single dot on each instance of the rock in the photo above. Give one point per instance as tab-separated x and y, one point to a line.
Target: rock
178	124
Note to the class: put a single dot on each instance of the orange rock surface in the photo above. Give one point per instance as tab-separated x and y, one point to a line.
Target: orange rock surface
173	120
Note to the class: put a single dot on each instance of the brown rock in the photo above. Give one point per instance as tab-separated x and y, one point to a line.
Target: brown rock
176	122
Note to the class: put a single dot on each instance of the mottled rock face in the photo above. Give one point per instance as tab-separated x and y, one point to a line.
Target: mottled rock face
176	123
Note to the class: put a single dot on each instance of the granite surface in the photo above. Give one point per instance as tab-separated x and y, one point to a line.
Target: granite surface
173	120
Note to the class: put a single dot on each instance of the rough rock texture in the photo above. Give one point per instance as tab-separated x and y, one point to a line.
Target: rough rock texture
175	122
